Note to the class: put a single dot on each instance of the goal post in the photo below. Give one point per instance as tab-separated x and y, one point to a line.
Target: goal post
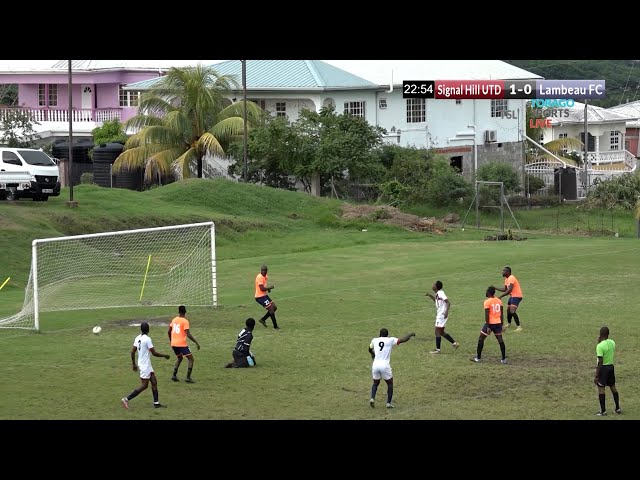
499	197
161	266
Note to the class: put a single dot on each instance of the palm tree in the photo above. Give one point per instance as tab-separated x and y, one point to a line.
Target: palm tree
183	118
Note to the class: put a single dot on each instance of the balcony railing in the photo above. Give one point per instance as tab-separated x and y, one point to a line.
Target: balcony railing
78	115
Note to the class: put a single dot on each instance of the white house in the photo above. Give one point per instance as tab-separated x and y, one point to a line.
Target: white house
469	132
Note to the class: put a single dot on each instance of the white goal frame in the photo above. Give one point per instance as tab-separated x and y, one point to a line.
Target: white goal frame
34	263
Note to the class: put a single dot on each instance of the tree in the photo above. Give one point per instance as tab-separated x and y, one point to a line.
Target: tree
9	94
318	144
183	118
17	129
111	131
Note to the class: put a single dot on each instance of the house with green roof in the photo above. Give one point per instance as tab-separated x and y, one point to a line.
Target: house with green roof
470	132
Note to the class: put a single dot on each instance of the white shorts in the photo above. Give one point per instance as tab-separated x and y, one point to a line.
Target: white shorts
145	372
381	371
440	323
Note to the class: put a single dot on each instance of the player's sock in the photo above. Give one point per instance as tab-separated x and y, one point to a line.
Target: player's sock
616	398
264	318
374	390
503	350
516	318
175	372
509	317
133	394
155	396
479	350
389	393
601	397
448	337
273	319
189	372
438	342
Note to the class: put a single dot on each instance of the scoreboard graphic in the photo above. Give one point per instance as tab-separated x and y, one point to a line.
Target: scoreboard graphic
503	89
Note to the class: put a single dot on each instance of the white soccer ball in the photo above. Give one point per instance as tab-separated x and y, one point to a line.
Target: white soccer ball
97	330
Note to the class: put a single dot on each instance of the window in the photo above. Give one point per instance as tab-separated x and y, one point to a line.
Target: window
615	141
281	109
47	95
498	107
129	98
416	110
354	108
382	103
563	135
11	158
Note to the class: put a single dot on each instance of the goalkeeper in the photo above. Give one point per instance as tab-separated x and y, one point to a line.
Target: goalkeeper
242	356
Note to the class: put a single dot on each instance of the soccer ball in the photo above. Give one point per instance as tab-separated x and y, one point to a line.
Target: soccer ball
97	330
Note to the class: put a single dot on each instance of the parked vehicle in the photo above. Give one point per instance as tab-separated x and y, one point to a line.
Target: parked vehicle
44	175
13	184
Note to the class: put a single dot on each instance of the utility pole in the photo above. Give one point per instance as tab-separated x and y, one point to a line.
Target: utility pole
244	119
71	202
586	148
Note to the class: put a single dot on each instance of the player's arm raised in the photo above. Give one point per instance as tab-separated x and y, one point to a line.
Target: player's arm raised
406	338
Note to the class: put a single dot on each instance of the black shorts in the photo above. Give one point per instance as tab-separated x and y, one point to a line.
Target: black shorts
607	376
241	360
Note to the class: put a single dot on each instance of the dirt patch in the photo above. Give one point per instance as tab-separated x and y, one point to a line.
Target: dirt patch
152	321
392	216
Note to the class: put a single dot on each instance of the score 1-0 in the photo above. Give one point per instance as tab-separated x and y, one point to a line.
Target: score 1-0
520	89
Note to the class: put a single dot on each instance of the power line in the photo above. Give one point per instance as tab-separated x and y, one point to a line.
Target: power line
633	62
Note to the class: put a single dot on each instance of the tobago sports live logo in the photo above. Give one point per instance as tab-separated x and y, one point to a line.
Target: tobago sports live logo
543	111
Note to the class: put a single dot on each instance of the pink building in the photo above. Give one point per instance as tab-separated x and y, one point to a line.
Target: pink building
96	93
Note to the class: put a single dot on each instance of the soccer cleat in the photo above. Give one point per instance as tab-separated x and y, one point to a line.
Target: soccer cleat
189	380
125	402
506	326
503	361
175	379
455	345
159	405
519	329
372	402
476	359
264	324
276	328
437	350
389	405
618	411
601	414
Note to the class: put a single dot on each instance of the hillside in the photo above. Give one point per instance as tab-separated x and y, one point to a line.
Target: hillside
249	219
622	76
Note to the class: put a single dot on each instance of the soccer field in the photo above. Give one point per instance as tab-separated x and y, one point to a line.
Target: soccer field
331	303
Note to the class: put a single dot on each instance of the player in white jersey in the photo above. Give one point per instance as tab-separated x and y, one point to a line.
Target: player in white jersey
380	350
144	346
442	315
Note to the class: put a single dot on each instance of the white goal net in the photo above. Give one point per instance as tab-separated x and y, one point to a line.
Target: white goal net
164	266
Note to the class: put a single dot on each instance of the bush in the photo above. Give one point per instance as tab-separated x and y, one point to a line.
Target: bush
534	201
86	178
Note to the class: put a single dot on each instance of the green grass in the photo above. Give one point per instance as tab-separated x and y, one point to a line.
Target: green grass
336	286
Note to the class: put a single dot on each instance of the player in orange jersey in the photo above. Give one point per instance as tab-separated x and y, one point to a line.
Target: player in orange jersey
262	297
493	321
178	333
512	288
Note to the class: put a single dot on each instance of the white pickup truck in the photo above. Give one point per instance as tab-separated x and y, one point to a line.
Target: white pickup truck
14	184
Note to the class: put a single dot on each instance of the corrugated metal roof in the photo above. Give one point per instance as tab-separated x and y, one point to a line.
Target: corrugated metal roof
381	71
632	109
594	115
283	74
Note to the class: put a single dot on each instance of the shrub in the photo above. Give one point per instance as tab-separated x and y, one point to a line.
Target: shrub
86	178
